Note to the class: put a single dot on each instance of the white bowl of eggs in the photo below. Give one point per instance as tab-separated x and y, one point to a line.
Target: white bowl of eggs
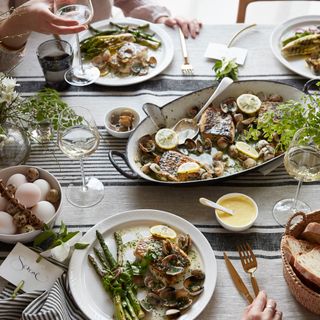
36	199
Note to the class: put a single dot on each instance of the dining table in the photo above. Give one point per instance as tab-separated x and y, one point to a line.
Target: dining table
122	194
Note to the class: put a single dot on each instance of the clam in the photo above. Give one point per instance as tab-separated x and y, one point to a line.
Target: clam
267	152
200	147
168	295
261	144
155	285
229	105
184	242
173	313
183	300
171	265
249	163
147	143
238	117
190	145
207	145
233	151
194	283
223	143
275	98
152	62
167	247
218	167
218	155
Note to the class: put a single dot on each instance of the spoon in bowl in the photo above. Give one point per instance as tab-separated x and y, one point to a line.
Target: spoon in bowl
211	204
188	128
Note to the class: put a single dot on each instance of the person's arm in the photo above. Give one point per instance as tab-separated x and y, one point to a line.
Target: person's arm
151	10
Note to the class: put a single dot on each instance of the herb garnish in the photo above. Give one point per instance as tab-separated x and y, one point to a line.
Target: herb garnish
226	68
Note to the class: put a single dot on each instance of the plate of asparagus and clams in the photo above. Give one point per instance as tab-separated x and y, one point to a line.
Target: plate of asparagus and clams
143	264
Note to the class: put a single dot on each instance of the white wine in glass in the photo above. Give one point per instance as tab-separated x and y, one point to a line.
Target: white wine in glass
78	140
82	11
302	161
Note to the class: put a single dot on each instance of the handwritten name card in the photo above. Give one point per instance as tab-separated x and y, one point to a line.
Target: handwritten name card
21	264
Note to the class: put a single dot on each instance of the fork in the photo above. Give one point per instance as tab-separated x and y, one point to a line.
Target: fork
186	67
249	264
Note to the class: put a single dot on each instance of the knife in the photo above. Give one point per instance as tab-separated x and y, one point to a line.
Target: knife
237	280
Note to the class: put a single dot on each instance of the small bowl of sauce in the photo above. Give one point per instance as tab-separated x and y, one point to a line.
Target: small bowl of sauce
245	212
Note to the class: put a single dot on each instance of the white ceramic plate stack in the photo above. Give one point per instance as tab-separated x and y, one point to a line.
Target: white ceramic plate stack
85	285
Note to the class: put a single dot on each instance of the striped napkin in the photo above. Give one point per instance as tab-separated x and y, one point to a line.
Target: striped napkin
56	304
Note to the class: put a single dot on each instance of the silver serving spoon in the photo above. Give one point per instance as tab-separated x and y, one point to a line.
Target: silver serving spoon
187	128
211	204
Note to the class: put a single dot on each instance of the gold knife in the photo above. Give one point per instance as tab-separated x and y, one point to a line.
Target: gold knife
237	280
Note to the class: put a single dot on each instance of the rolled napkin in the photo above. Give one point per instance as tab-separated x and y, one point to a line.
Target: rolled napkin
56	304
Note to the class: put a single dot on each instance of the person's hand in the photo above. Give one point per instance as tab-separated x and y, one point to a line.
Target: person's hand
262	309
188	27
36	15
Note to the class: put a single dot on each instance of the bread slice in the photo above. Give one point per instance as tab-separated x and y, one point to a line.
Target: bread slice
312	232
293	247
308	265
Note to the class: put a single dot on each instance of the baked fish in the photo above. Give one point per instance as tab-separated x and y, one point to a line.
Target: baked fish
303	46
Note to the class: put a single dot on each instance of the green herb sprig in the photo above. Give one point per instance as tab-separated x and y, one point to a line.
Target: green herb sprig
288	117
226	68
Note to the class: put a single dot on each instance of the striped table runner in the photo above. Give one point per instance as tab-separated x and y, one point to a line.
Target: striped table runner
122	194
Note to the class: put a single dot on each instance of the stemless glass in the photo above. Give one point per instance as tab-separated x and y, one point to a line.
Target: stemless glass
82	11
302	161
78	139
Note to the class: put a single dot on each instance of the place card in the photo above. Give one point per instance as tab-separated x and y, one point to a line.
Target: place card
21	264
218	51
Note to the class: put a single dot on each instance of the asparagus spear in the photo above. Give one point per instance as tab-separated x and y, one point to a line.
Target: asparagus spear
111	261
101	258
119	244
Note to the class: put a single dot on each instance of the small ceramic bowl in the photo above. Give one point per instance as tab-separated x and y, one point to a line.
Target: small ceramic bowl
5	174
113	115
248	214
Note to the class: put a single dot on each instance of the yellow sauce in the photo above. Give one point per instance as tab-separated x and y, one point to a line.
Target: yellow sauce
244	211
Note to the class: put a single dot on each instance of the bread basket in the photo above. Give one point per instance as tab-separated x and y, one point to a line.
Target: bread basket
304	295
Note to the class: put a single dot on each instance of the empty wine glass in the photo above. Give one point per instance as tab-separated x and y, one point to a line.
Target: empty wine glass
78	138
302	161
82	11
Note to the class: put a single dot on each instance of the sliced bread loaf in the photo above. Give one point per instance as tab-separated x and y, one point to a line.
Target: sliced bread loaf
308	265
293	247
312	232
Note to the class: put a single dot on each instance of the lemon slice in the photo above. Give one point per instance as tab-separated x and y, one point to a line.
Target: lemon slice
248	103
162	231
188	167
247	150
166	139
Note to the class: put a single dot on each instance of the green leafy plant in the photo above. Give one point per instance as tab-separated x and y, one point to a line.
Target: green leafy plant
226	68
280	125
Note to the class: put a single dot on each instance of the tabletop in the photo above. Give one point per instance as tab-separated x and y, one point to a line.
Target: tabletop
122	194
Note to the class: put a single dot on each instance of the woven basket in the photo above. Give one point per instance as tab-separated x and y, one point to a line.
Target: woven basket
304	295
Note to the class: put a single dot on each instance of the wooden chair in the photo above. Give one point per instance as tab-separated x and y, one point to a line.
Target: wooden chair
243	4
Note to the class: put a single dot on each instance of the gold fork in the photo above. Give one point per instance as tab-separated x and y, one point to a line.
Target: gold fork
186	67
249	264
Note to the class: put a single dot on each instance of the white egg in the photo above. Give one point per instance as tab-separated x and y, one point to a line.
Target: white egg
44	187
3	203
6	223
28	194
44	210
17	180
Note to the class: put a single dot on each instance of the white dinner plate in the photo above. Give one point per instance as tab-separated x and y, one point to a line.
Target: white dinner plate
85	285
164	54
285	30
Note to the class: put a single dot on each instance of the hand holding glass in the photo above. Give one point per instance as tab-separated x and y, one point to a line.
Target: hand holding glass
79	139
302	161
82	11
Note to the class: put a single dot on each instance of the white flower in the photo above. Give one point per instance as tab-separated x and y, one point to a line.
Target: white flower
9	83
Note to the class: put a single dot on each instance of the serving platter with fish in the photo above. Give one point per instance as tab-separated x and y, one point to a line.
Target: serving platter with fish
126	50
296	44
221	149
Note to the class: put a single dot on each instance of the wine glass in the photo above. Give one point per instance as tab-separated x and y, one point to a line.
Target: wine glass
82	11
78	137
302	161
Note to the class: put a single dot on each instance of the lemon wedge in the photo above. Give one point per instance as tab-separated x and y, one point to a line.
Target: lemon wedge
188	167
248	103
162	231
247	150
166	139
